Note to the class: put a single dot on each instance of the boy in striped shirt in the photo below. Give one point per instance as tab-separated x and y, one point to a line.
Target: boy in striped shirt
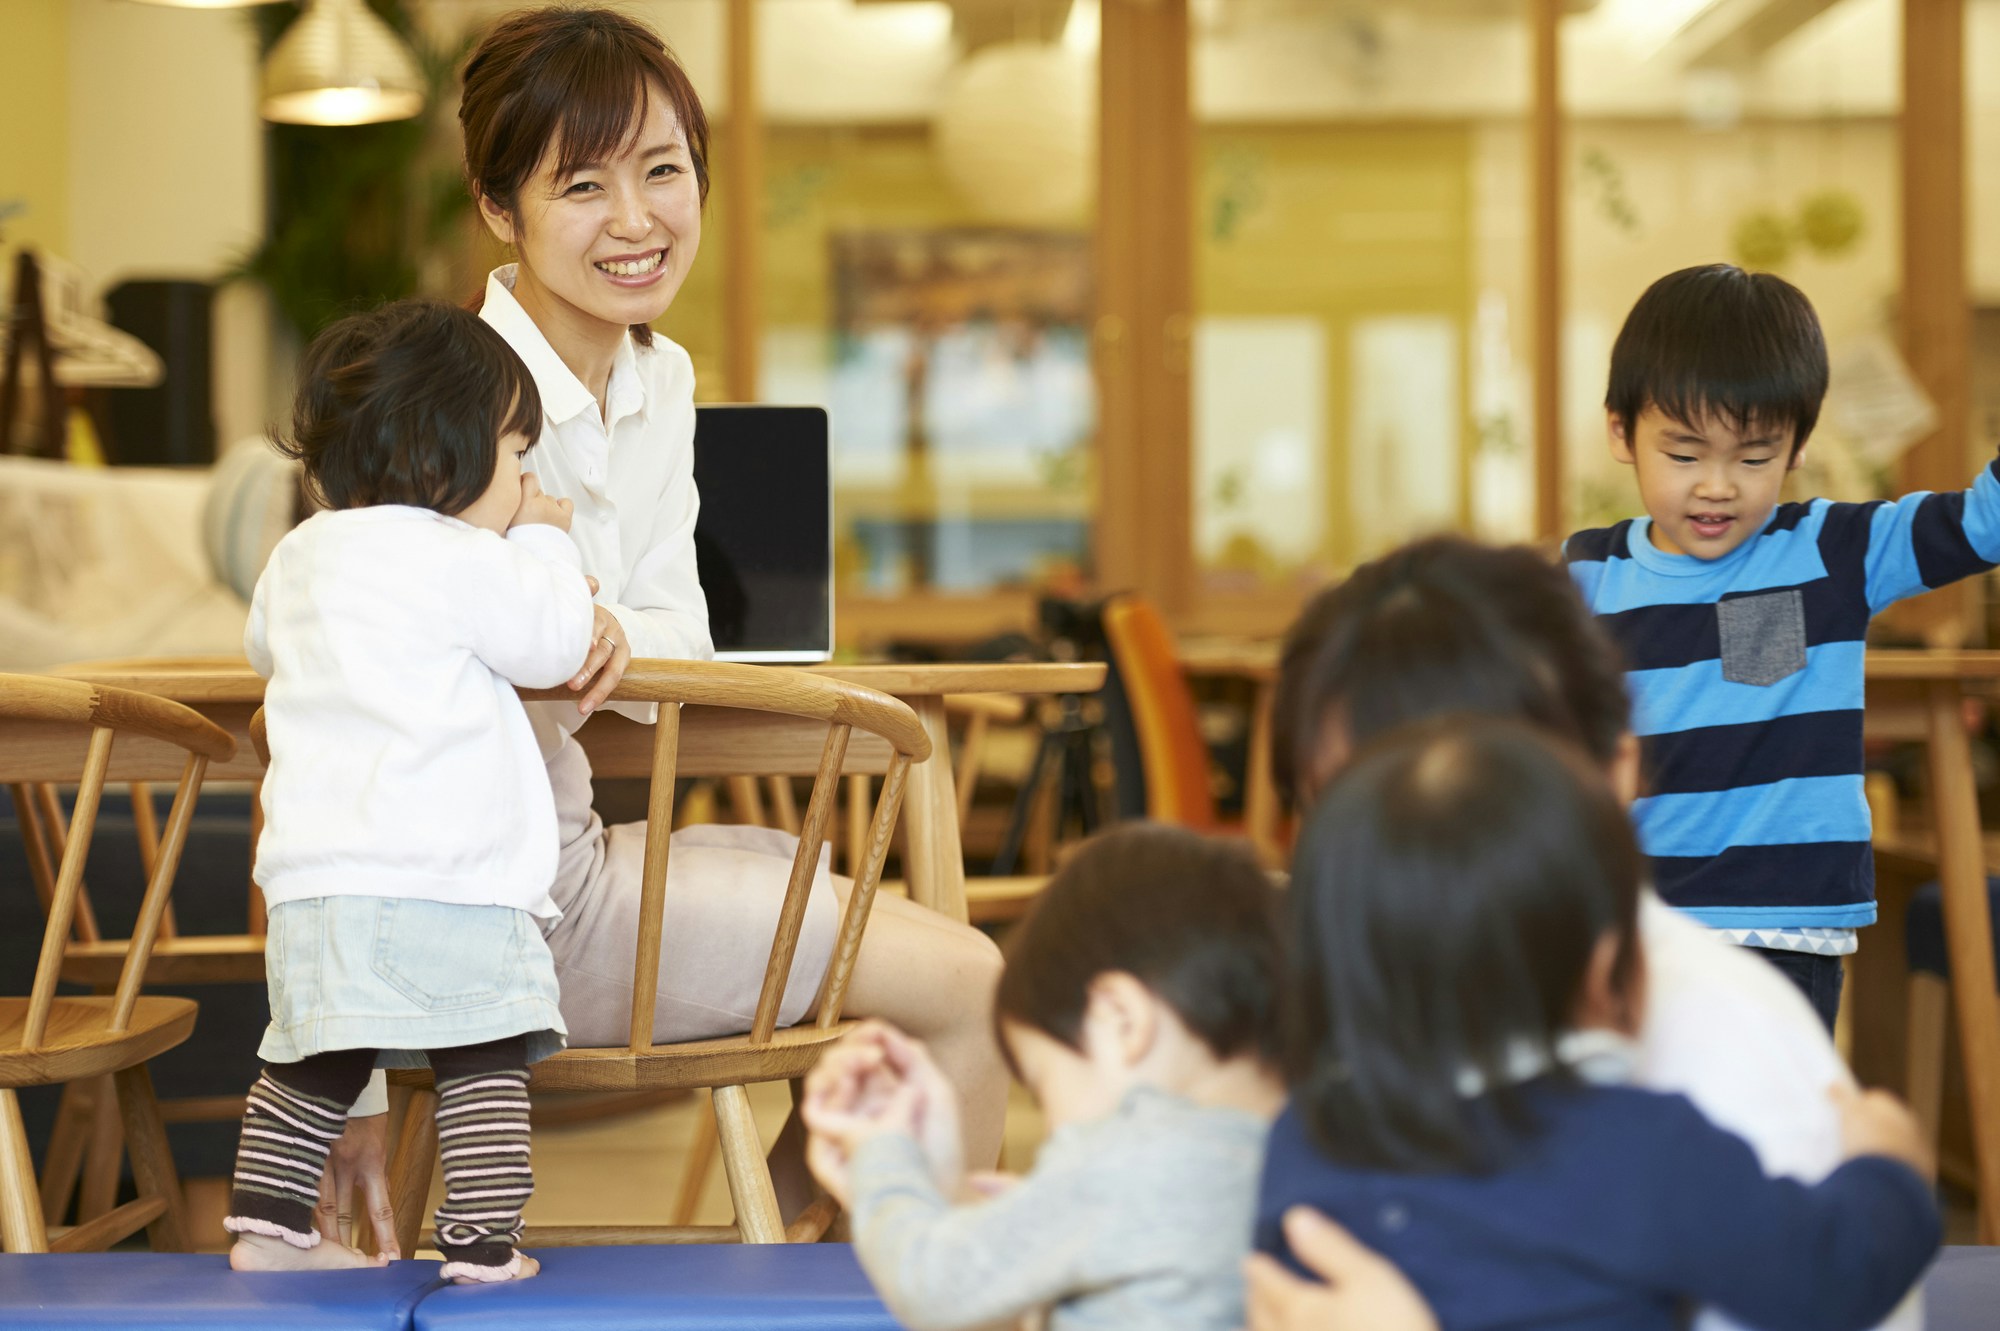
1742	619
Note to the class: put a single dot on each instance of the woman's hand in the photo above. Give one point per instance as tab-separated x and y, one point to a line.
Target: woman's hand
360	1158
1363	1290
610	653
1877	1123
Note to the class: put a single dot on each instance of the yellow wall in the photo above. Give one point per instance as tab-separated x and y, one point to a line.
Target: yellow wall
34	105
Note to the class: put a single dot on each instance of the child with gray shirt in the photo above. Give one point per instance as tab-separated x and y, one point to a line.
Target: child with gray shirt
1137	1007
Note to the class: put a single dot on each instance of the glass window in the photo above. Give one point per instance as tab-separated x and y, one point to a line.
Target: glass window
927	277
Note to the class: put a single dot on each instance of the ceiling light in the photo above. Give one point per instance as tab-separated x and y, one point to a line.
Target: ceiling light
340	64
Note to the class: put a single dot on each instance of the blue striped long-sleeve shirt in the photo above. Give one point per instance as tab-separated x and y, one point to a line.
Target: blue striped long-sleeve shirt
1746	680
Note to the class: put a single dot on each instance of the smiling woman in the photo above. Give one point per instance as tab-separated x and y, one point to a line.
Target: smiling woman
587	150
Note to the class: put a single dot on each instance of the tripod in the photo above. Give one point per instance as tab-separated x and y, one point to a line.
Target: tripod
1067	754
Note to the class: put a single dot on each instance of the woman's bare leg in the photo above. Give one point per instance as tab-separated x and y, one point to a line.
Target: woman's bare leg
934	978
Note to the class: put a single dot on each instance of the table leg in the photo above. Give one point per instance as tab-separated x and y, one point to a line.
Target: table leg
936	869
1968	935
1260	792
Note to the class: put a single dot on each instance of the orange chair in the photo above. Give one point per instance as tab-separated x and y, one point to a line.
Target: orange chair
1172	753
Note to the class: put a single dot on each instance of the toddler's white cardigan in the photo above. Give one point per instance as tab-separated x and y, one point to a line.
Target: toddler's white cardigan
402	763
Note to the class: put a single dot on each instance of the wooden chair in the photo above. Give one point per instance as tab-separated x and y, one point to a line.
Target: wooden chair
724	1066
85	1143
1172	752
46	1040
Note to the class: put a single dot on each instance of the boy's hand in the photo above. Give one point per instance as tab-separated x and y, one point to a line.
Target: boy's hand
538	507
937	1125
1877	1123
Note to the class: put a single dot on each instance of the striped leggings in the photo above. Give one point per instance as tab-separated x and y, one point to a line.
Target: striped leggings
298	1110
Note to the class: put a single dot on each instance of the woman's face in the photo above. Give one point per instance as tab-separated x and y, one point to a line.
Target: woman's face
612	241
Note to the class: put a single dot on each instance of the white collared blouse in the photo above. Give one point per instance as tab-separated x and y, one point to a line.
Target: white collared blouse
629	472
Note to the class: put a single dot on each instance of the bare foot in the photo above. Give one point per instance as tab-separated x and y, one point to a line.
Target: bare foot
262	1252
529	1267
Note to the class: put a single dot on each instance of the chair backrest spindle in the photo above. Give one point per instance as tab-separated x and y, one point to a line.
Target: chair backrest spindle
847	943
153	909
69	882
805	867
653	893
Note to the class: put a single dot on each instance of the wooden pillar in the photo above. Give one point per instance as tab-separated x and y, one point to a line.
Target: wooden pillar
1936	310
1145	298
743	238
1545	218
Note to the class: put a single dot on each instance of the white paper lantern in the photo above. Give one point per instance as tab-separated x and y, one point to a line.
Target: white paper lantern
1016	133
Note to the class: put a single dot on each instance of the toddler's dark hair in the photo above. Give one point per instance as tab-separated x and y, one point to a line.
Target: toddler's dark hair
1446	900
1446	625
1190	917
407	404
1746	346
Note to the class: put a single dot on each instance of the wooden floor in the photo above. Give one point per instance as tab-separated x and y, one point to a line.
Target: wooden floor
627	1171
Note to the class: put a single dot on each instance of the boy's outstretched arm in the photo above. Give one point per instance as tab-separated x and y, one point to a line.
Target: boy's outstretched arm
1925	540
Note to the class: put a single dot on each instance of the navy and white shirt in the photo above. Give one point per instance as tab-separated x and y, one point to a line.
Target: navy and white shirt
1746	681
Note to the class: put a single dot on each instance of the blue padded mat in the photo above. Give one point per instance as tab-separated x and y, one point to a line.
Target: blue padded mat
1962	1292
195	1293
723	1287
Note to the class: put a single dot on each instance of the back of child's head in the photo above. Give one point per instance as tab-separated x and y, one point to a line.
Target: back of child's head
1445	625
1716	340
1448	896
1190	917
407	404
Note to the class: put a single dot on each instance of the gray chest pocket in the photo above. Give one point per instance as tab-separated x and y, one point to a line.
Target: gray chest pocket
1763	637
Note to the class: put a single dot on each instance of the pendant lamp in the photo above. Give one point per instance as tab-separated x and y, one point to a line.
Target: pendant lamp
340	64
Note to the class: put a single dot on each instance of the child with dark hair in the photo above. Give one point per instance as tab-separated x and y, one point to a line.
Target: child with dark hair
1448	626
1742	620
1138	1006
1467	974
410	833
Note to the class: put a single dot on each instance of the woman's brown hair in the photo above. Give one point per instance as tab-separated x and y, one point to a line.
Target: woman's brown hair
577	78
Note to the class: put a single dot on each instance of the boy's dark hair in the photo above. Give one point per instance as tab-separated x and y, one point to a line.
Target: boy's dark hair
1746	346
1446	901
406	404
1446	625
1190	917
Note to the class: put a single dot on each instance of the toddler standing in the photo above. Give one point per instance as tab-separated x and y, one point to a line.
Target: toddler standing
410	834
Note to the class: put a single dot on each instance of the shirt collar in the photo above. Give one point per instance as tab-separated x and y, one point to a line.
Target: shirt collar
1655	560
1595	1056
626	392
563	395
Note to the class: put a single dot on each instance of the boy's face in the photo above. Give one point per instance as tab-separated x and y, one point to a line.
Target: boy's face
494	509
1707	485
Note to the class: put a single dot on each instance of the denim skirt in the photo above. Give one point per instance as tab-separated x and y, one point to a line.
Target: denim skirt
403	976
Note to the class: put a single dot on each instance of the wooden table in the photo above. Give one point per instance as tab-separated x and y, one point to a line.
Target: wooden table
1906	688
713	742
